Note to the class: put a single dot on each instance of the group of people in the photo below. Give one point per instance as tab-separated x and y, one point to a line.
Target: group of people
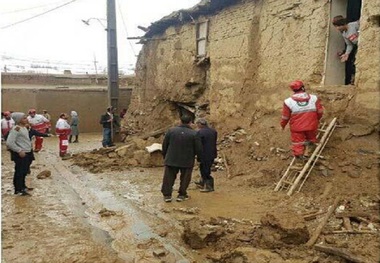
18	130
182	144
180	147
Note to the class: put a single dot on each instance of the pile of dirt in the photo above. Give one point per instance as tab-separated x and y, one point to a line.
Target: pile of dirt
254	153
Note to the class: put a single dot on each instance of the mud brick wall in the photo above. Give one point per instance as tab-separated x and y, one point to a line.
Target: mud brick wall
367	101
89	103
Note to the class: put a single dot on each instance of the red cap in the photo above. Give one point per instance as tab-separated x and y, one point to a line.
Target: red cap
296	85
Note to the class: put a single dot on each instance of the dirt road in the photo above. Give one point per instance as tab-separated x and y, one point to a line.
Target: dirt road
120	216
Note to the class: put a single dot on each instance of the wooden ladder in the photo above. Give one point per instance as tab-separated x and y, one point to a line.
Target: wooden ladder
295	175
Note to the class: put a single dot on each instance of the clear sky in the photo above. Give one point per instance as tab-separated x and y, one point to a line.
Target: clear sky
61	36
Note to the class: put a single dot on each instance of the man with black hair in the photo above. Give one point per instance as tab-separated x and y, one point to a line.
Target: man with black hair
109	122
180	146
350	33
209	137
19	143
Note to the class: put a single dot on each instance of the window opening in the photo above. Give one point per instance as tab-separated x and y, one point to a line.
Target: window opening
202	34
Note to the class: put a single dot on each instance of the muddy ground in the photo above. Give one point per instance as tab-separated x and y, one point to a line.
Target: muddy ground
114	212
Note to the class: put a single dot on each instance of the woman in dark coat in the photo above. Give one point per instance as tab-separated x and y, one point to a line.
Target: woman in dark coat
74	126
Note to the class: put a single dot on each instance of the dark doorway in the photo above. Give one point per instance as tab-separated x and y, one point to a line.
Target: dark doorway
334	69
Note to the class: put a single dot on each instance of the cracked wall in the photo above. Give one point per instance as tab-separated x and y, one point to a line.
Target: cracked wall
255	49
367	101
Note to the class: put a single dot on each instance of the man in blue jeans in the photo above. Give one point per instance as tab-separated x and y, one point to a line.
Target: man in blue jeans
109	122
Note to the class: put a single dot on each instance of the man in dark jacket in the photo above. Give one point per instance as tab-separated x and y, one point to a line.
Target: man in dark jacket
109	122
208	137
179	148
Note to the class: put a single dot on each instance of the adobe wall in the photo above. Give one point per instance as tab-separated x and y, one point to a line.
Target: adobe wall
244	68
256	48
89	103
62	79
367	100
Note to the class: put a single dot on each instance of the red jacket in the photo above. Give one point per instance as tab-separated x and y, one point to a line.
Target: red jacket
303	111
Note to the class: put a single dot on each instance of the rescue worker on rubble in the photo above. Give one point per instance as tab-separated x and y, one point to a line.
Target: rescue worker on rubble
350	33
39	123
63	129
303	112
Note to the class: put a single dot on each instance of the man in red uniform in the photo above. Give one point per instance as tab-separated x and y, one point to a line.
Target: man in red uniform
303	112
40	124
63	129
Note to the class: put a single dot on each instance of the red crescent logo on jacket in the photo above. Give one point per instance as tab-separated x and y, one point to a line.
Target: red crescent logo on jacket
353	37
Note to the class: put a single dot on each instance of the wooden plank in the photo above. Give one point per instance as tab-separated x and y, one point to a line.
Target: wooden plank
319	149
227	167
351	232
318	231
341	253
361	214
313	216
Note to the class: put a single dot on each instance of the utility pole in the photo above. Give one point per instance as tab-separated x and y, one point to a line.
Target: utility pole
112	65
96	69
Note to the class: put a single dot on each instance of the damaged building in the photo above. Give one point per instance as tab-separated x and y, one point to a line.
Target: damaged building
231	61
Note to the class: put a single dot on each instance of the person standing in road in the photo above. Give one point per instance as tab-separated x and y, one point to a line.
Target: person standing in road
74	126
62	129
209	137
303	112
40	124
19	143
180	146
47	116
109	122
7	124
350	33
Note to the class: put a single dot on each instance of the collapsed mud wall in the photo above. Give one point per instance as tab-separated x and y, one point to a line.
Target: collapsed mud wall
254	49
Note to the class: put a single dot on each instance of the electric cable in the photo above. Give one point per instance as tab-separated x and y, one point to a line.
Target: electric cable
125	27
27	9
30	18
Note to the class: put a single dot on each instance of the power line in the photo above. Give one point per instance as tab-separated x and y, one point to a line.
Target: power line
30	18
27	9
125	28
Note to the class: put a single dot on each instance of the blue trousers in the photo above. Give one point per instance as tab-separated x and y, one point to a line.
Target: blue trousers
107	140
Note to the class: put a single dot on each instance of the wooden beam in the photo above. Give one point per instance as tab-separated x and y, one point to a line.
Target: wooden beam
318	231
341	253
351	232
313	216
357	214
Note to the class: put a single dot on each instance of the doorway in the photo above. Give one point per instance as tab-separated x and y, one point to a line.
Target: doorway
334	69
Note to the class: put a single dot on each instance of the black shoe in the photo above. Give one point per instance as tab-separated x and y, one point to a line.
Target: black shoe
28	189
182	198
75	141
